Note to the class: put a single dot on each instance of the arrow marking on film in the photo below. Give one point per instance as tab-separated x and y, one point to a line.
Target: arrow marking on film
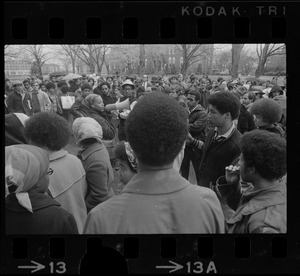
175	266
37	266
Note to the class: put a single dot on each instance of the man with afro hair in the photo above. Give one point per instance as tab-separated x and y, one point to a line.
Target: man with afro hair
261	208
267	113
157	200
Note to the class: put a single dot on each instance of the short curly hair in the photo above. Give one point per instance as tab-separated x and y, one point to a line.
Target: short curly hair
156	129
269	109
266	151
50	85
104	83
47	129
225	102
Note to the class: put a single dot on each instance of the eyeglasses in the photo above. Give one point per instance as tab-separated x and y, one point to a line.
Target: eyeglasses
50	171
35	85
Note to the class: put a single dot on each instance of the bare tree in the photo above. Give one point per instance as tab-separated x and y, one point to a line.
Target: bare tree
264	52
191	53
235	57
11	51
93	55
38	55
142	60
223	61
71	51
247	61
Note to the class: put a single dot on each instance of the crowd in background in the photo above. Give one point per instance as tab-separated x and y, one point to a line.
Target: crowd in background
151	129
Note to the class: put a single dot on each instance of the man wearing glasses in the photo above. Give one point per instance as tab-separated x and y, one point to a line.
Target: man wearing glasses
40	99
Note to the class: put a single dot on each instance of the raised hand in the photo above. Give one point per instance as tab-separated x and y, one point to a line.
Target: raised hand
232	174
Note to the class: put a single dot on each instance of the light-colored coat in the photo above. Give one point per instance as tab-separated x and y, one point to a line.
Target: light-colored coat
68	185
45	103
158	202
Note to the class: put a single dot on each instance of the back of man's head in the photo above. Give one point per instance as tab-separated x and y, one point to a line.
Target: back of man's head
156	129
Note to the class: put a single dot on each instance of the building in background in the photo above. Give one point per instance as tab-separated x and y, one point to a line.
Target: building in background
50	68
17	70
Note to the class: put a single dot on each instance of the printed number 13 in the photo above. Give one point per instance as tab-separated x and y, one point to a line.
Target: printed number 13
61	267
198	267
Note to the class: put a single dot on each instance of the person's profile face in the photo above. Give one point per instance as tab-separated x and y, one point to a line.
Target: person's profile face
125	172
191	101
215	118
98	104
245	99
258	120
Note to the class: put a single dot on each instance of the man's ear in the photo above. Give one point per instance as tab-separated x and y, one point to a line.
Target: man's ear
228	115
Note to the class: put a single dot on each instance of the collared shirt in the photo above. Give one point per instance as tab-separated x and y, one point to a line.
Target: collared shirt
225	135
190	111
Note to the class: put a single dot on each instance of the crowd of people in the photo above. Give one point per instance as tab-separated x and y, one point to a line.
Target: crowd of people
150	131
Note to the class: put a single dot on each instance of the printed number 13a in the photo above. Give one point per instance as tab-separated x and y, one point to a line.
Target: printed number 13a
60	267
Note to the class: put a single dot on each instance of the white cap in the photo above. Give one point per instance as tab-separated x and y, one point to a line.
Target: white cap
128	82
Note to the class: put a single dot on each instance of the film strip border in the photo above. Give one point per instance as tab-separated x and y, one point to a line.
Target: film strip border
188	254
162	22
154	22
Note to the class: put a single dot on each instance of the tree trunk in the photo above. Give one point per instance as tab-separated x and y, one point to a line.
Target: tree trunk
142	60
236	54
73	66
262	61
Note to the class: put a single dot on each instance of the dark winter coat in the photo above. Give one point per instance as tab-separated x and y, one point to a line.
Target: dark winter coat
216	155
17	104
245	120
198	123
48	218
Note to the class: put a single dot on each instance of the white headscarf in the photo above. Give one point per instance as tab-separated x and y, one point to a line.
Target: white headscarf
86	127
26	167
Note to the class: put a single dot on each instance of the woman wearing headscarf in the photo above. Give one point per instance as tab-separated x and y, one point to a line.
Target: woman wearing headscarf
28	209
92	106
67	183
14	128
95	159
